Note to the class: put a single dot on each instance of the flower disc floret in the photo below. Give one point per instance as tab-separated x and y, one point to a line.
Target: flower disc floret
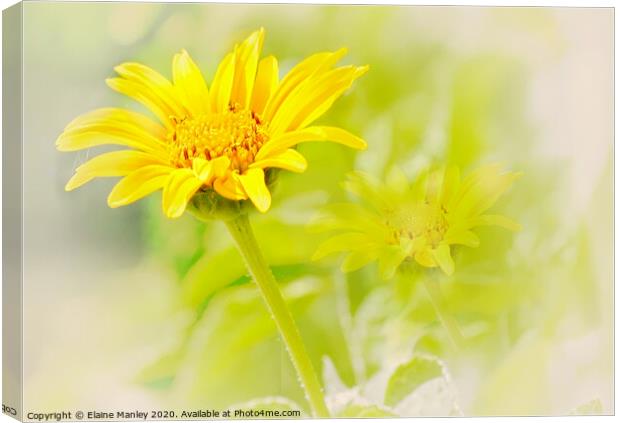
238	135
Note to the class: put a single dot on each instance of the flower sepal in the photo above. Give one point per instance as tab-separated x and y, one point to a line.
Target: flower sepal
209	205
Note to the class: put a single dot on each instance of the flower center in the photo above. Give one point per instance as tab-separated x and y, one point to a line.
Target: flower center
237	134
418	222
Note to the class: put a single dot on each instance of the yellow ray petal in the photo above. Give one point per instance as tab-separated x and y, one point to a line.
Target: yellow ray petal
312	99
313	65
138	184
314	111
190	84
150	88
351	241
222	84
152	80
462	237
319	85
312	133
390	259
144	96
350	216
434	185
484	191
230	187
368	188
450	185
425	258
289	159
494	220
116	163
207	171
341	136
114	115
113	126
358	259
182	184
444	259
265	85
486	172
245	68
253	183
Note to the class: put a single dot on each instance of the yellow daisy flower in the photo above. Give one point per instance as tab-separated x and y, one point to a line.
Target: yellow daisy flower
416	222
224	138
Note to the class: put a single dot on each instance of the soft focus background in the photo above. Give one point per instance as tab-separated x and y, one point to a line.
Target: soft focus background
127	310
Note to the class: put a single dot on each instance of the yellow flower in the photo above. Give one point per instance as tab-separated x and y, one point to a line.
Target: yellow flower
417	222
224	138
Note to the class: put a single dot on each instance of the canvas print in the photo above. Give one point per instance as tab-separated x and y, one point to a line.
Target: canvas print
307	211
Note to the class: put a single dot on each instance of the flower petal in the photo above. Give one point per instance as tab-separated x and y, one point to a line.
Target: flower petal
397	183
312	99
116	163
245	68
495	220
312	133
222	84
289	160
149	88
208	170
390	258
113	126
349	216
351	241
425	258
358	259
253	183
434	186
314	111
190	84
265	85
450	185
138	184
181	186
367	188
462	237
312	65
230	187
417	190
444	259
341	136
480	190
117	115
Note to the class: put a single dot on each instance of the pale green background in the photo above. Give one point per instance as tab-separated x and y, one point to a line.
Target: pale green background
108	293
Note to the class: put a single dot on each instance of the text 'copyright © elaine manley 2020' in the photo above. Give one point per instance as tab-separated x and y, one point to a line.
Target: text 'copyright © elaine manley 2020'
158	414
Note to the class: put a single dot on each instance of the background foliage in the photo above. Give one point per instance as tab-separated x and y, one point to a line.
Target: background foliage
161	313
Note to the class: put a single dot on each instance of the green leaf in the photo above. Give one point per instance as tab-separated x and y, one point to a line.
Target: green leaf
236	340
210	273
161	373
218	269
178	243
409	376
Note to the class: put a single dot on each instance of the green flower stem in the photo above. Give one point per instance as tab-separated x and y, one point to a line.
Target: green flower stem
449	323
241	231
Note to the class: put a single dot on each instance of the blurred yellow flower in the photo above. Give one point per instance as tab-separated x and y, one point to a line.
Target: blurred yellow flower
400	221
223	138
